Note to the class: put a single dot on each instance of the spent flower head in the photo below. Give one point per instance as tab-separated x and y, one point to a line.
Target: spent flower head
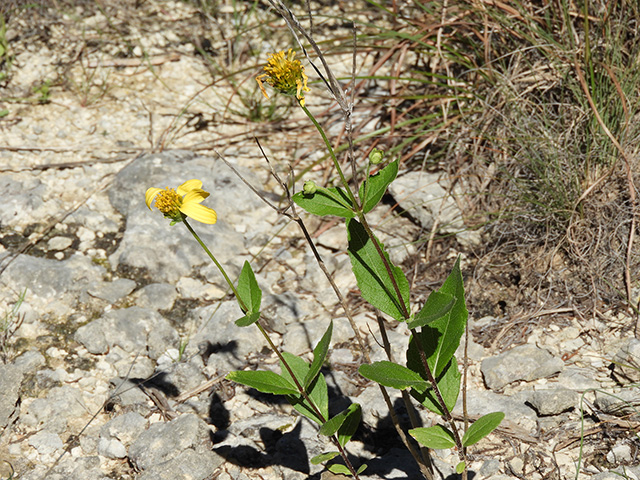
286	74
181	202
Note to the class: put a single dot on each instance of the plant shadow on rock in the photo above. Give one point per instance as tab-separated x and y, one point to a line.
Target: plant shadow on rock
288	449
207	349
284	449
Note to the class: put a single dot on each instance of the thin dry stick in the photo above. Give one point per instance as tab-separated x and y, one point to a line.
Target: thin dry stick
630	184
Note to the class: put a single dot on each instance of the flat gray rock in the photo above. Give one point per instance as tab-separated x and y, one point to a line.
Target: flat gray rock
53	286
119	432
159	296
188	465
132	329
525	362
421	196
10	380
56	411
554	401
163	442
21	198
113	291
516	412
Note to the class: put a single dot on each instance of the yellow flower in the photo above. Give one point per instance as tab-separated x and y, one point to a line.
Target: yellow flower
285	74
175	204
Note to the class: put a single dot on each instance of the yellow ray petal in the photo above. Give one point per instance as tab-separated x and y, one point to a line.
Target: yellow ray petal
189	185
150	195
195	196
199	213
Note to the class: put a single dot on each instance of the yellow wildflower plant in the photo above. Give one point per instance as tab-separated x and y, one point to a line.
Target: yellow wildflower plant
285	74
183	201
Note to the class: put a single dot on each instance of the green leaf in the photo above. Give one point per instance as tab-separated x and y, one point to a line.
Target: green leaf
441	337
449	386
372	276
460	467
373	188
326	201
350	425
264	381
338	468
319	355
345	423
248	289
393	375
248	319
451	327
481	428
324	457
437	306
434	437
317	391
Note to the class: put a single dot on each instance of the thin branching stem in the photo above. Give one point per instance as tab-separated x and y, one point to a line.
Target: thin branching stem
301	390
434	385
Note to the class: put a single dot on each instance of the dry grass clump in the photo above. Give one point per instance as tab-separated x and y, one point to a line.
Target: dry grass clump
514	101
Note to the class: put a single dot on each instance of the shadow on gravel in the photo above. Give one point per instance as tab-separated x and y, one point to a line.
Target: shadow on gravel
288	449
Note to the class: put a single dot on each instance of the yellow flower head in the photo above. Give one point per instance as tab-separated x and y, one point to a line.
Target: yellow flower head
185	201
286	74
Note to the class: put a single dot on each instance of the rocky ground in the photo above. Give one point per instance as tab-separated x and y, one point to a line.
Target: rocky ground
113	362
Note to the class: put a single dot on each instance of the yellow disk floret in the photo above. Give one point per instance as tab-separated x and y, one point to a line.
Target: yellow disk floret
285	74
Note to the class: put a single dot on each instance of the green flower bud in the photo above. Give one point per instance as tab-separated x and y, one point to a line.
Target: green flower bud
376	156
309	187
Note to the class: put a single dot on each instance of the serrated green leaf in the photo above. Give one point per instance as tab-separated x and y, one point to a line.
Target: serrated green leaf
438	305
319	355
449	386
437	437
392	375
263	381
372	190
317	391
481	428
326	201
248	289
248	319
373	278
324	457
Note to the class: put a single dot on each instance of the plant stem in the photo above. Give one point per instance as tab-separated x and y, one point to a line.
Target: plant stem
387	265
243	307
343	179
434	385
275	349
